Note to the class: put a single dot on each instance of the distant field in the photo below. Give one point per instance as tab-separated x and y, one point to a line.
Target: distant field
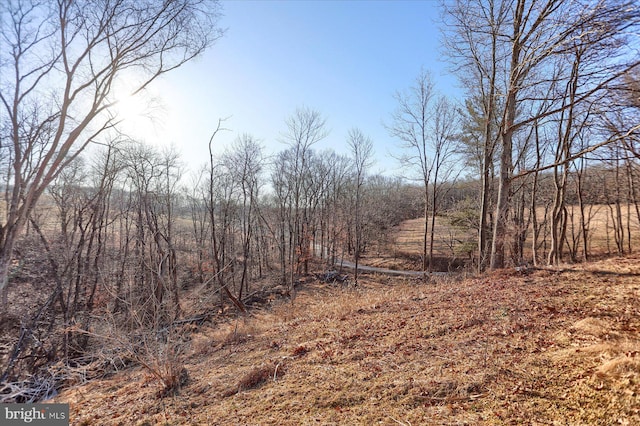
601	226
45	211
409	236
450	242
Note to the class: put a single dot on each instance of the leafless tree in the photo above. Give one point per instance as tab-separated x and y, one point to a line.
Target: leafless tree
151	182
245	162
444	130
334	209
291	181
215	206
410	124
472	42
362	151
196	200
427	126
65	65
76	260
530	37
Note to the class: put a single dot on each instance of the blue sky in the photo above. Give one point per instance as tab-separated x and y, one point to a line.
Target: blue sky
344	59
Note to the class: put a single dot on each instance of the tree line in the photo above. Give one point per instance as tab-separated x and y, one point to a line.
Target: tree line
548	83
124	238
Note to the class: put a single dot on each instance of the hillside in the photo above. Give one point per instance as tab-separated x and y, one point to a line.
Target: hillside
540	347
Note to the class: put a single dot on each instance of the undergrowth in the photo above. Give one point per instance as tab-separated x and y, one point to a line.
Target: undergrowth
557	346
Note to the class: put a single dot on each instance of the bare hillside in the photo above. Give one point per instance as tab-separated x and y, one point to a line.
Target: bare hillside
530	347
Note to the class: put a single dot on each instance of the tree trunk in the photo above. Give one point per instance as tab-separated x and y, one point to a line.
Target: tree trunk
502	205
425	235
506	161
7	241
483	231
534	221
5	263
584	223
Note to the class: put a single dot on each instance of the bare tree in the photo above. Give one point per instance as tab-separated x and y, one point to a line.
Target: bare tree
151	182
334	207
76	261
410	124
362	151
63	65
245	162
629	91
471	42
290	179
199	221
530	37
444	133
218	254
427	128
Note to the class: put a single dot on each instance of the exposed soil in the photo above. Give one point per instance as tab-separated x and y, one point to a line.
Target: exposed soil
532	347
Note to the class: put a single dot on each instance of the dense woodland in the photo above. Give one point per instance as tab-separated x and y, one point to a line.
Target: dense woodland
112	243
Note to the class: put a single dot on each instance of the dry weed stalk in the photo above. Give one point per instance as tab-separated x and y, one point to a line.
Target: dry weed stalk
160	350
35	388
257	376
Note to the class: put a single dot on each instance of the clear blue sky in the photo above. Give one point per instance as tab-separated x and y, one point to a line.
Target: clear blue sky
345	59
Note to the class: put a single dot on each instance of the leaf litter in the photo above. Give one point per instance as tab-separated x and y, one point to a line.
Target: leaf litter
553	346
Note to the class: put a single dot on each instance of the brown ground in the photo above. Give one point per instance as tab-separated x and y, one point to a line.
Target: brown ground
404	253
536	347
453	246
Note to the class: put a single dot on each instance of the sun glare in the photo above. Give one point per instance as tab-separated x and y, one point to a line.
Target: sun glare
131	108
139	116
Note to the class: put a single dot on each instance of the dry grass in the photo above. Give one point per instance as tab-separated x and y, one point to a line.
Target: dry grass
451	247
550	347
256	377
410	237
601	226
453	242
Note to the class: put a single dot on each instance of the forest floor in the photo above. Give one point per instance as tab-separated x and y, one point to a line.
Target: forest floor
537	347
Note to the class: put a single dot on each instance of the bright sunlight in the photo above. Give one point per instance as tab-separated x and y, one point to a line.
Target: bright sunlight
140	115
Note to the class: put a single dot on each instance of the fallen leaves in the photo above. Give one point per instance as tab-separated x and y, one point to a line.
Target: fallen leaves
558	348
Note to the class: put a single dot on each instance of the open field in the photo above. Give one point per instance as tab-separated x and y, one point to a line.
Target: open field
546	347
405	250
453	242
602	239
409	237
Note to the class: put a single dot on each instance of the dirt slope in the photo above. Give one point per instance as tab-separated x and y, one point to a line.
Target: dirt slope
541	347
